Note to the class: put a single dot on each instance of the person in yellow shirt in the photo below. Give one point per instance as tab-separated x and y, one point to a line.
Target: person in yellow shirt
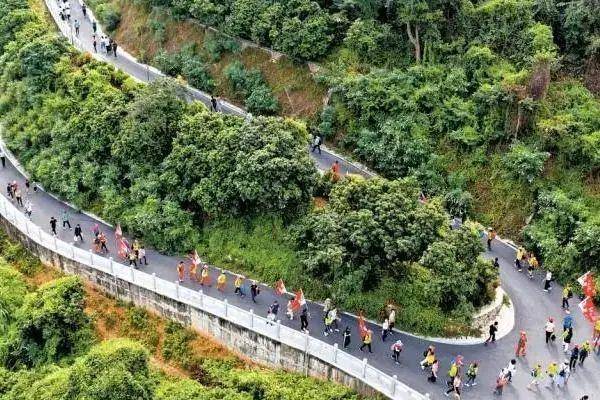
205	276
533	264
584	351
367	341
239	281
221	281
551	371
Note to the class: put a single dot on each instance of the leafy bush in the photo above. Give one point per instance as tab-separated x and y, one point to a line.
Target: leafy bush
251	85
216	45
108	16
50	325
525	163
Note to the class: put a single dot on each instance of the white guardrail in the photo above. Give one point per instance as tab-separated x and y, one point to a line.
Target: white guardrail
388	385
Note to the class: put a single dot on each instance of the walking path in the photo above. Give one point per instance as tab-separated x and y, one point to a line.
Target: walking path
532	306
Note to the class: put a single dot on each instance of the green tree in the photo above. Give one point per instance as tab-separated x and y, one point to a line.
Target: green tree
50	325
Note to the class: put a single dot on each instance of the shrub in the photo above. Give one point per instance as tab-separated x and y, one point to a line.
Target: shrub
50	325
216	45
525	163
251	86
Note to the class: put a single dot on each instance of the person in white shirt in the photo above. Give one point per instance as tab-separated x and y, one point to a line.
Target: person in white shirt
549	328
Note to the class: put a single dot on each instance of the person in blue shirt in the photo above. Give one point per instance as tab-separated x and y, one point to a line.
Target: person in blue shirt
567	321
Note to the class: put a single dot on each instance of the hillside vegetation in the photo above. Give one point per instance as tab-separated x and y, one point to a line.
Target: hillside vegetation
240	191
487	104
62	340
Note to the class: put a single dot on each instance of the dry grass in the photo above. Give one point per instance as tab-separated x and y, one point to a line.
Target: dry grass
293	85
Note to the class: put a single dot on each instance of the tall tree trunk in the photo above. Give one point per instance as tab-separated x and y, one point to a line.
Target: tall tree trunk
414	39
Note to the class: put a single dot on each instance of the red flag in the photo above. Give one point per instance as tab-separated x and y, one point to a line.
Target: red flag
118	232
588	309
362	326
122	247
298	300
587	283
280	288
195	258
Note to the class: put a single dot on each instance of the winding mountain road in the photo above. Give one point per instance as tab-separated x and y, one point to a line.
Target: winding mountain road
532	306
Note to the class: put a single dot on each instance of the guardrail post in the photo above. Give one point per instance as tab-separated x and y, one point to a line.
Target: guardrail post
112	267
393	388
201	298
364	367
306	339
251	318
55	244
154	281
27	227
226	307
177	289
40	232
278	329
73	252
335	351
91	258
132	272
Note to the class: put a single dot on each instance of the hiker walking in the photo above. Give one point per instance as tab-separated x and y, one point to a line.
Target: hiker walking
114	48
272	312
472	374
328	322
9	190
102	239
84	10
213	104
536	376
142	255
180	271
53	225
563	374
584	351
205	276
335	170
533	265
454	386
429	355
193	272
367	339
567	320
552	372
396	350
19	197
574	358
316	144
254	291
221	281
567	293
511	369
27	186
95	44
567	336
347	336
492	333
548	281
239	281
521	344
435	367
392	319
304	319
490	238
28	208
501	381
65	220
549	330
133	259
385	328
76	24
94	26
3	158
78	235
